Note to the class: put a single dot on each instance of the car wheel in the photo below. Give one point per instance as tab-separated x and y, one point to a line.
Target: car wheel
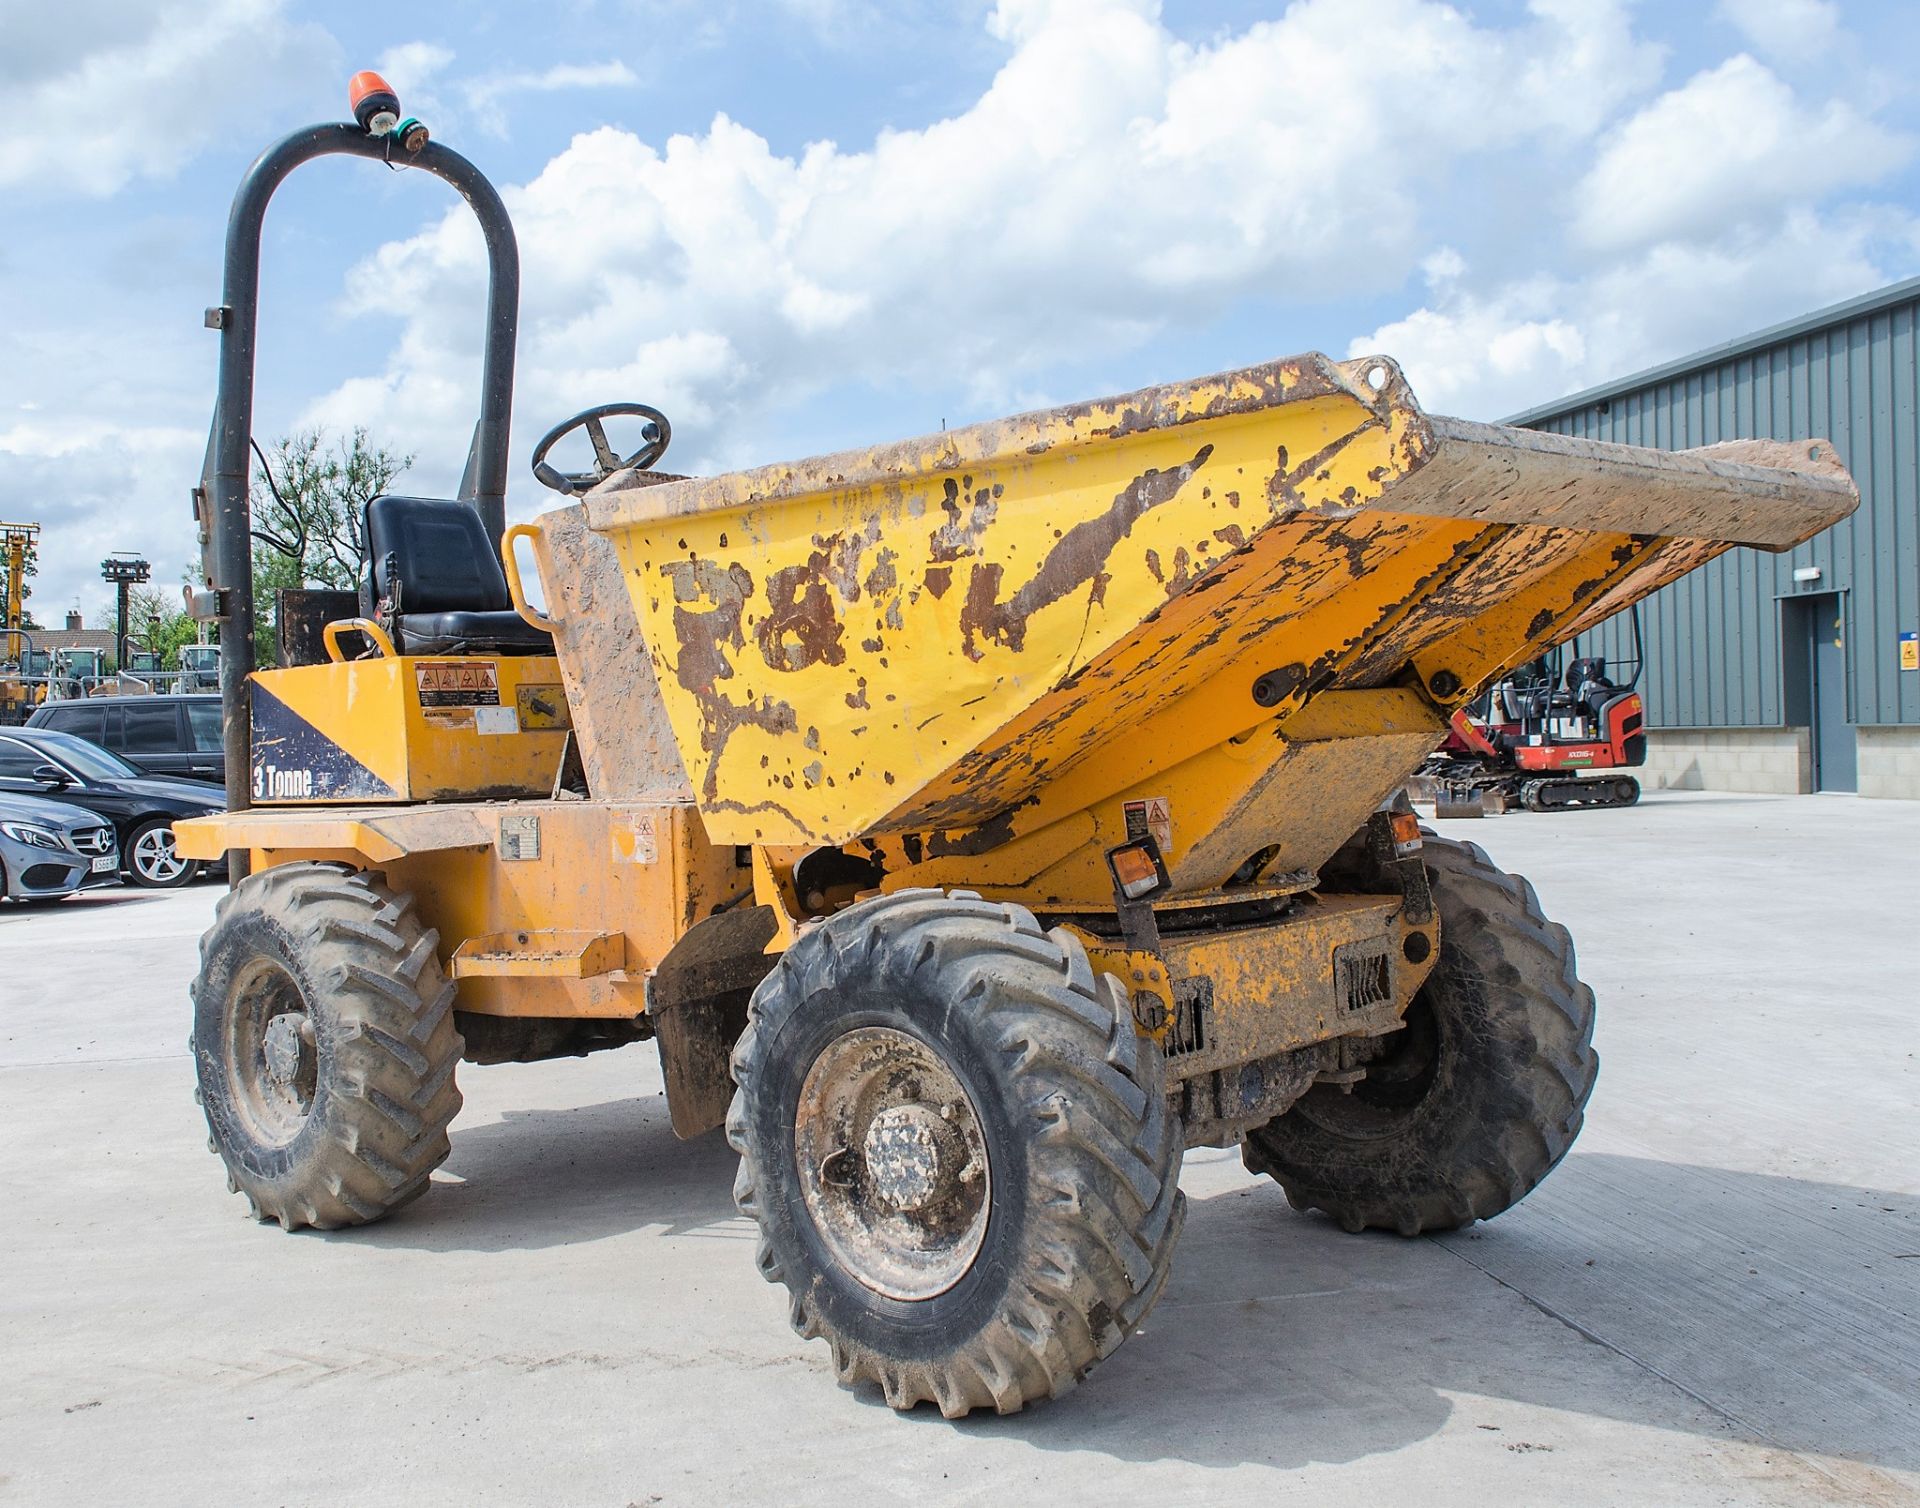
152	861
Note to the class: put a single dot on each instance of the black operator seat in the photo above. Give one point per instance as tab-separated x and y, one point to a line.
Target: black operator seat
1587	683
434	579
1586	668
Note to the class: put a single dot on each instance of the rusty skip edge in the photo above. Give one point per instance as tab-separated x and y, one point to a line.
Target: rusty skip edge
632	498
1768	494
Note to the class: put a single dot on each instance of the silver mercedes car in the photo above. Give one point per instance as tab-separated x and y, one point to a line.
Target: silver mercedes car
50	849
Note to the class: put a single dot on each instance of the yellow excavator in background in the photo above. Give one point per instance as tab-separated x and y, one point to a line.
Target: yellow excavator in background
20	693
974	822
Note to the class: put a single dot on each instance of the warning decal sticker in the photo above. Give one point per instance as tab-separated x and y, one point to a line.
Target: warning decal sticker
1152	818
634	839
457	683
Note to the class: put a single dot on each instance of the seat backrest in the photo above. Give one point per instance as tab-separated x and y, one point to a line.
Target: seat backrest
436	552
1586	668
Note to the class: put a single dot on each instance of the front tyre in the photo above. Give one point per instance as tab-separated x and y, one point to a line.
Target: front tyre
153	862
324	1044
1477	1096
957	1149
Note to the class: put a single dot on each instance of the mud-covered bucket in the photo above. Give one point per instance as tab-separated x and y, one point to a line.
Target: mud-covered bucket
939	635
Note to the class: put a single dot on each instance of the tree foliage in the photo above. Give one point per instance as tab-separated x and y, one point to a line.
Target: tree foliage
307	503
158	622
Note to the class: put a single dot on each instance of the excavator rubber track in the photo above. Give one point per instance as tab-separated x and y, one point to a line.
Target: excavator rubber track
1586	791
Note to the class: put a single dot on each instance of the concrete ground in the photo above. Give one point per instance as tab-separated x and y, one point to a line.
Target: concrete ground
1715	1299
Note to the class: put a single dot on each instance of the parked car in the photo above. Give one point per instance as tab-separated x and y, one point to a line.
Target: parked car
174	735
50	849
141	807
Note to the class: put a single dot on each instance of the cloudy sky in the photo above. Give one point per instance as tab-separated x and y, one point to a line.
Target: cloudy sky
803	224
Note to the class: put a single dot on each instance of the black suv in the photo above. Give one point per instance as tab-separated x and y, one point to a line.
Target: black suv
176	736
141	807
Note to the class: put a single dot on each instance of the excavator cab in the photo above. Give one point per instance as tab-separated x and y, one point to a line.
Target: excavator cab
1536	739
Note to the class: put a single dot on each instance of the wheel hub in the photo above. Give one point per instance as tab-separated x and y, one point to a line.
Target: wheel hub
288	1048
155	857
893	1162
912	1157
272	1060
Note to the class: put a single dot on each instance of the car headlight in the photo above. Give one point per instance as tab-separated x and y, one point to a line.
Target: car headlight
33	837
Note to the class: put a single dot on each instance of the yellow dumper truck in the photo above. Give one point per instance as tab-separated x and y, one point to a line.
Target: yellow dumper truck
974	823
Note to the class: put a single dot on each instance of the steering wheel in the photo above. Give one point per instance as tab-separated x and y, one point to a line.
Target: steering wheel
655	437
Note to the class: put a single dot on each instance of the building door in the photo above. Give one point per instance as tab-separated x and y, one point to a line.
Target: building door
1834	751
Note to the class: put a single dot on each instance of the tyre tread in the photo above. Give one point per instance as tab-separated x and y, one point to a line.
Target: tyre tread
1496	927
1099	1254
386	1109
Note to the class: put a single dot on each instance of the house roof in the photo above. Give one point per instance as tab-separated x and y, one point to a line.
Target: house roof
71	638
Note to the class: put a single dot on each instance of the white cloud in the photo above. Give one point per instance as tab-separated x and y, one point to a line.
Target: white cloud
485	94
422	74
412	66
1486	354
1111	181
1789	30
89	484
1732	143
1114	186
103	91
1019	21
103	422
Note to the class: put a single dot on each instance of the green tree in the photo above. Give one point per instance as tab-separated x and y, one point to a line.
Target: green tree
307	500
159	623
156	621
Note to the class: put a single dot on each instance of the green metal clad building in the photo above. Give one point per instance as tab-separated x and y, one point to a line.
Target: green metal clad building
1796	672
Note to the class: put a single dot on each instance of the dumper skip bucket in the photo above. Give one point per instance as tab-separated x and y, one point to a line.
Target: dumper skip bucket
938	635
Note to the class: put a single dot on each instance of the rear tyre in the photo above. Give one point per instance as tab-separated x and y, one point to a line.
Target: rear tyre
957	1149
325	1047
153	863
1482	1091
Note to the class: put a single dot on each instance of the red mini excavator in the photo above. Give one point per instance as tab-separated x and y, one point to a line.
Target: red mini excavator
1531	738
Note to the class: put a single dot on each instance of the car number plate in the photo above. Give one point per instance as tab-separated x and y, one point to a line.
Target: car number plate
105	862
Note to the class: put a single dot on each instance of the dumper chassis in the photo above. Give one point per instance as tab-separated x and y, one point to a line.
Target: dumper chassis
974	823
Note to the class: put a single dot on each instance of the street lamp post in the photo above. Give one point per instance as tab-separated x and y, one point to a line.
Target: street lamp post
125	571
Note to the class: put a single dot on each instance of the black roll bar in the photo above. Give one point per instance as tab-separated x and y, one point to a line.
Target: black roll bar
221	503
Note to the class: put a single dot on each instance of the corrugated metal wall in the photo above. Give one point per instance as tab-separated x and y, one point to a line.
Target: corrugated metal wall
1714	639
